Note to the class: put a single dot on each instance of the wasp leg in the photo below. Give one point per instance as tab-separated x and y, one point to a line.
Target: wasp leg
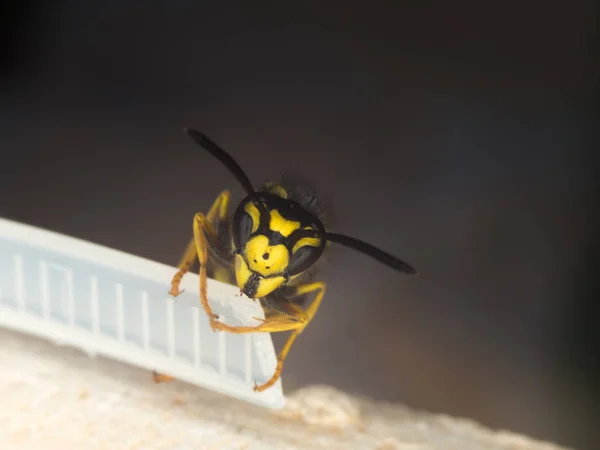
184	265
217	210
201	225
296	321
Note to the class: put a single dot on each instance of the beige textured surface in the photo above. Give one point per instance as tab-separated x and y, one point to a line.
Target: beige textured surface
59	398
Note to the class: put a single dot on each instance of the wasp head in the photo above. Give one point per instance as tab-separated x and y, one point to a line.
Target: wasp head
274	245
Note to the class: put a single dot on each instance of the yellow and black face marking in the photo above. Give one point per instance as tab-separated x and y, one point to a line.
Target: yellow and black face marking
271	240
272	248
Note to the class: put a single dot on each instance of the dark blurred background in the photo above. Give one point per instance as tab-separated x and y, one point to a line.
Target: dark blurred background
456	135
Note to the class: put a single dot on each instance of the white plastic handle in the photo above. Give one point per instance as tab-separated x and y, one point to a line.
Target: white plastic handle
108	302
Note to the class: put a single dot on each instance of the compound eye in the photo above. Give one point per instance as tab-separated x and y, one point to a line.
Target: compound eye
241	227
303	259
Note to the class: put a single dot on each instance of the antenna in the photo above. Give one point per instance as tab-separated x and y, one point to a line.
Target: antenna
227	160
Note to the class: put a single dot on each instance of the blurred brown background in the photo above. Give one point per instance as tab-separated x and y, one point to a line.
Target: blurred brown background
455	135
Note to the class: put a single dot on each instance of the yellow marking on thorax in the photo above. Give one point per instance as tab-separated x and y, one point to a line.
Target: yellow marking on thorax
266	259
282	225
276	189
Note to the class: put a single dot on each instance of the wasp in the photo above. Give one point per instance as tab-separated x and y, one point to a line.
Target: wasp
267	248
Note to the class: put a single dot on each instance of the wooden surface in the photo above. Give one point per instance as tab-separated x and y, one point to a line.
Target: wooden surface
56	397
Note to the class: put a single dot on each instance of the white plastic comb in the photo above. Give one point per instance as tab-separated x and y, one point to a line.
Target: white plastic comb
107	302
